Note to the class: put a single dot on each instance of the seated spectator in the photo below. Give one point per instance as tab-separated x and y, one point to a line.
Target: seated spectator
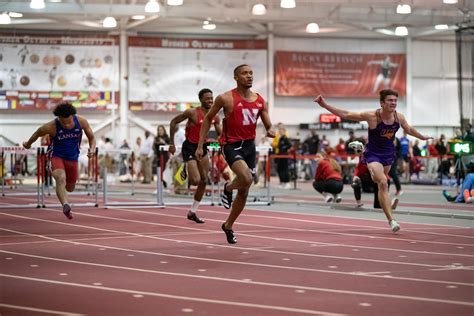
466	194
328	179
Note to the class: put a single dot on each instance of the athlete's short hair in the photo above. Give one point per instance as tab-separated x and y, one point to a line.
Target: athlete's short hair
204	91
386	92
237	69
64	109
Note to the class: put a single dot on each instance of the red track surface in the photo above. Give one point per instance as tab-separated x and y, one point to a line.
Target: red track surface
155	262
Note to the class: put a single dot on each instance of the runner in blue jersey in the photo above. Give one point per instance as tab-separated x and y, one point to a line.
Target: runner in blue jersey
66	134
380	150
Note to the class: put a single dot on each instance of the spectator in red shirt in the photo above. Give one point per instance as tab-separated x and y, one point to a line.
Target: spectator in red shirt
433	160
328	179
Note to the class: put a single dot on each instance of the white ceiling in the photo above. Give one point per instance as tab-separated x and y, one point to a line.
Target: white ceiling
336	18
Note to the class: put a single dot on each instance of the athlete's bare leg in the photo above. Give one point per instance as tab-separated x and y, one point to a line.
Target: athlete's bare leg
60	176
377	83
379	175
203	168
194	177
241	183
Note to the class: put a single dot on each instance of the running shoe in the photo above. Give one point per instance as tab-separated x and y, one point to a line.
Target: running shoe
448	197
226	198
395	203
184	174
329	198
67	211
229	233
193	217
338	198
394	226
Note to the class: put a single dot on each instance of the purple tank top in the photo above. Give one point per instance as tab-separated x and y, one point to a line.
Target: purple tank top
382	136
66	143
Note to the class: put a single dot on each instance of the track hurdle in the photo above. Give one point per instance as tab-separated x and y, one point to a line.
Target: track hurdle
13	151
93	176
253	199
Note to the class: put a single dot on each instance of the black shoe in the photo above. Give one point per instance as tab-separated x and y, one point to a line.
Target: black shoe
67	211
229	233
193	217
226	198
184	174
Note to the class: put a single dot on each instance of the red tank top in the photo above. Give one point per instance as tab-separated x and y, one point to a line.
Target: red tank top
193	130
242	122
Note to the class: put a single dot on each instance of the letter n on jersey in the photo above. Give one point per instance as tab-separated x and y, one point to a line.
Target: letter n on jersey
249	117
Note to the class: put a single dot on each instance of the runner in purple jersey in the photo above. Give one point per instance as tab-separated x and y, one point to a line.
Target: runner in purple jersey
380	150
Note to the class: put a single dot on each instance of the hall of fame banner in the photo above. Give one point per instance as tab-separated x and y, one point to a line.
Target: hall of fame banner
338	74
172	71
38	66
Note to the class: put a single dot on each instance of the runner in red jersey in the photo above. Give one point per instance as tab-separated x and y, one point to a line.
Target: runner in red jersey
197	170
242	107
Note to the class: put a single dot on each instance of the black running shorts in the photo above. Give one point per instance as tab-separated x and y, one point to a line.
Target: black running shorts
242	150
188	151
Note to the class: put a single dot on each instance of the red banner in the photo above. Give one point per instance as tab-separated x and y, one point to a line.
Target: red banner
337	74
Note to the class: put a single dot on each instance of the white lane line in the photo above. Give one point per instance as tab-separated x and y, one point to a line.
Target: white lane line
225	246
233	262
266	216
243	234
180	297
348	292
38	310
270	217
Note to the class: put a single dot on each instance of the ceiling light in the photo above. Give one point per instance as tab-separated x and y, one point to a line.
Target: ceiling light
152	6
441	27
209	26
15	14
57	1
401	31
109	21
175	2
403	9
312	28
259	9
288	4
37	4
205	22
138	17
450	1
5	18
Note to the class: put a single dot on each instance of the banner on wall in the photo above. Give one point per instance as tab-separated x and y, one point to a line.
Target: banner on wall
46	100
338	74
166	74
37	72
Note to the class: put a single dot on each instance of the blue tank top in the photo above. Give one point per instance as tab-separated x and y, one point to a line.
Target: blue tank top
67	142
405	143
381	138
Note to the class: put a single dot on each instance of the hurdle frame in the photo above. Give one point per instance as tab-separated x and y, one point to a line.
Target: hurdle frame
14	150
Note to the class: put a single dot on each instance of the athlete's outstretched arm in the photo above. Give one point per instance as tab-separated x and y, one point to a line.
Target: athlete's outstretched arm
206	123
43	130
410	129
343	114
267	122
186	115
90	135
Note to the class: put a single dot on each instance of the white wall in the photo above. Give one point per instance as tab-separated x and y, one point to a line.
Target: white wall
435	86
434	93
